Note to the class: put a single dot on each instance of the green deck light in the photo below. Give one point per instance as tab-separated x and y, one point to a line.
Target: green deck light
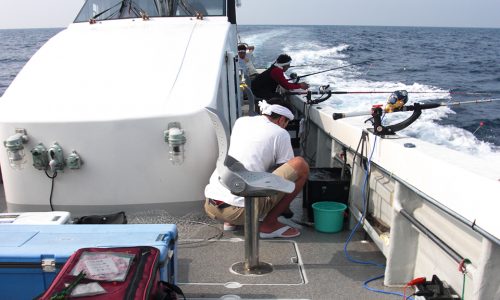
40	157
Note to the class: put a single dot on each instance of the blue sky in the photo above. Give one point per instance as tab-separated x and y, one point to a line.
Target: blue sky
448	13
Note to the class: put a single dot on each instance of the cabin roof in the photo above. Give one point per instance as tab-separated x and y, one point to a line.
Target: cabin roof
121	69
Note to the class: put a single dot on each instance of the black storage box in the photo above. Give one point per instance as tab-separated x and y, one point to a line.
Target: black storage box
293	128
325	184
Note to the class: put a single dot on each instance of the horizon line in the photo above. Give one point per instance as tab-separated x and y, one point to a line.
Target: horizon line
296	25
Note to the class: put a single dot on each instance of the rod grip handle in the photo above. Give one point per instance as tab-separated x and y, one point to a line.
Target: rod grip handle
337	116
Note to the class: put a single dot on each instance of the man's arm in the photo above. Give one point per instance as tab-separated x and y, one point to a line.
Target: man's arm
278	76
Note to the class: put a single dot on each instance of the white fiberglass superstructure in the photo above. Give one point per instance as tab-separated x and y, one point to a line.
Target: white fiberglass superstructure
113	107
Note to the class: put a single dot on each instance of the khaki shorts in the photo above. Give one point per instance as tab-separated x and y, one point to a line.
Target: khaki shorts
236	215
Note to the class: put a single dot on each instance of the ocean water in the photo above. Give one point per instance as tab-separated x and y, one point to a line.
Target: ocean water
454	64
446	64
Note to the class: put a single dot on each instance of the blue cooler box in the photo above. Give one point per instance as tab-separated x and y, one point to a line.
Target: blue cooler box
32	255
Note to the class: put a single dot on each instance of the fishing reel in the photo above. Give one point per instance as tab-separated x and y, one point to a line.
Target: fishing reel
324	93
395	103
294	77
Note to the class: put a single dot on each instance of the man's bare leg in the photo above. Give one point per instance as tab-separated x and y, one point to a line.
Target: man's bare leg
270	222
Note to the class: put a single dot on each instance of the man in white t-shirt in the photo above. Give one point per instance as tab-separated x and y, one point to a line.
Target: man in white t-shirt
245	59
262	144
248	73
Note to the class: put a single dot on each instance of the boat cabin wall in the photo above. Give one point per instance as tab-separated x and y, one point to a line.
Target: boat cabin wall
126	165
151	75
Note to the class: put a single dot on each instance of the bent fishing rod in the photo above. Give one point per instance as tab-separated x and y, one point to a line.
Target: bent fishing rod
377	112
296	78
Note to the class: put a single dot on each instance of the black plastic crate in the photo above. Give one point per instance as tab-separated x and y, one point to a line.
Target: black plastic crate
293	128
325	184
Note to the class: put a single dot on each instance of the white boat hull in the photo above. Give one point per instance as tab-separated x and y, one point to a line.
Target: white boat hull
450	195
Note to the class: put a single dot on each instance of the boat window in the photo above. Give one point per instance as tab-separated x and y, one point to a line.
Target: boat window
100	10
205	7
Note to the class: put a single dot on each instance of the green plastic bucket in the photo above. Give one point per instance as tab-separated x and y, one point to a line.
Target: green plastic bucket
328	216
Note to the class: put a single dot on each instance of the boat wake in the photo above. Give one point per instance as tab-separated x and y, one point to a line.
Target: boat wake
313	55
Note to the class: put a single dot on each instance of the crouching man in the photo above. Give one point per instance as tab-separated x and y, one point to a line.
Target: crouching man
261	144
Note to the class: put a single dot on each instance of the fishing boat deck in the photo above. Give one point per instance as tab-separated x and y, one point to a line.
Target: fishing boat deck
311	266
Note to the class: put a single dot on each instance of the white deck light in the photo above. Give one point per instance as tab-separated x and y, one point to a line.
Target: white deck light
175	138
15	149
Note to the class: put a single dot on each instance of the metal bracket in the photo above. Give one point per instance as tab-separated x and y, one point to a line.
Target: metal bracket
48	265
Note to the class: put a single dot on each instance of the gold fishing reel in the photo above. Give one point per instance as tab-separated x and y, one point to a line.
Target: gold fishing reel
396	101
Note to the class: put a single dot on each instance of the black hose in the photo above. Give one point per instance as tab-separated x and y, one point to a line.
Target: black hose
51	188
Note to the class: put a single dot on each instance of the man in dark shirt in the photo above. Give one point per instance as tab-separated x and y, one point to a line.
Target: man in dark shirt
265	84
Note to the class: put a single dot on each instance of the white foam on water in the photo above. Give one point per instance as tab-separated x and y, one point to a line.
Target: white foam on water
258	39
351	79
316	54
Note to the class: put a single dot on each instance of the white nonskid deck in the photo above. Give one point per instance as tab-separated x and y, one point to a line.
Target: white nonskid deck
311	266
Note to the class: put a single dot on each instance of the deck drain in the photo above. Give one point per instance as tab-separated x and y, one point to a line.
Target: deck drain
232	285
230	297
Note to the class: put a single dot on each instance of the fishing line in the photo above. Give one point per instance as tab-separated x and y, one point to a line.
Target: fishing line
337	68
480	125
368	69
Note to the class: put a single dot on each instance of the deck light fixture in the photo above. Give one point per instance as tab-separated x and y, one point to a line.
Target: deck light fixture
40	157
175	138
56	158
15	148
73	161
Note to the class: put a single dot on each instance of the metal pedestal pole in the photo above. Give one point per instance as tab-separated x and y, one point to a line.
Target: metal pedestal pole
251	265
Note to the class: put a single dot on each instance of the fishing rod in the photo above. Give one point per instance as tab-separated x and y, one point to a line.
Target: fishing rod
325	93
396	103
337	116
387	92
295	77
308	65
